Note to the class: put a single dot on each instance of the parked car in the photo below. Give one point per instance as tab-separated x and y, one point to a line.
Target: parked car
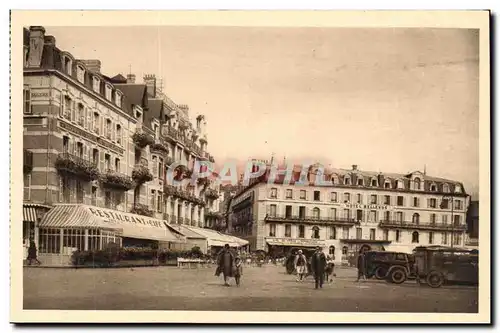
394	267
436	265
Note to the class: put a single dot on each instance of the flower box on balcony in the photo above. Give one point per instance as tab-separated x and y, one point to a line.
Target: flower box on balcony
117	180
159	147
211	194
141	174
79	167
141	210
170	190
142	139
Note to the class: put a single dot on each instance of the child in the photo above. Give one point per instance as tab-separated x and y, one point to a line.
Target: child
238	272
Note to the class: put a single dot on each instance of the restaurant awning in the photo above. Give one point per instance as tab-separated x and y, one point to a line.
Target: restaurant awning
215	238
73	216
29	214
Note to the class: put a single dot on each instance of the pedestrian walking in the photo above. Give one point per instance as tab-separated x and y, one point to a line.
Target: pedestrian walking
330	269
318	266
361	265
225	264
238	270
32	255
300	264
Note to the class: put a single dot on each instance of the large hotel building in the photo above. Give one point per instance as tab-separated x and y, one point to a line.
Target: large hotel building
375	210
96	154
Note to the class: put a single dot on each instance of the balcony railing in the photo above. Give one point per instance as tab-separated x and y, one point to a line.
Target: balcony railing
211	194
420	225
117	180
78	166
310	219
27	161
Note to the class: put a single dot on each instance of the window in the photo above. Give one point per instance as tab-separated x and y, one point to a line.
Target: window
316	196
400	184
107	129
302	231
118	99
444	238
416	182
414	237
160	168
107	161
344	250
316	213
359	233
360	182
107	92
156	129
431	237
333	233
416	202
415	218
456	220
399	216
387	184
433	188
96	123
117	164
458	204
49	240
331	251
315	232
96	84
65	144
347	180
387	199
67	107
27	186
155	165
446	188
333	213
359	198
288	212
94	196
359	215
27	100
398	236
274	193
159	202
272	211
152	200
347	214
272	230
444	204
68	64
302	212
432	203
373	199
289	194
372	234
458	189
444	219
387	215
118	134
372	217
107	199
347	197
386	235
79	149
80	74
288	230
302	194
79	191
400	201
95	156
457	239
433	218
345	232
374	183
334	196
80	115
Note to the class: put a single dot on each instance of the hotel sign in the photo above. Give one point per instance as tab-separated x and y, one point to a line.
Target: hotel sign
119	217
361	206
90	136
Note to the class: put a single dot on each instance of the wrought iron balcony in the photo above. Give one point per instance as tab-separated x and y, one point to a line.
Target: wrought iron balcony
79	167
116	180
27	161
211	194
422	226
311	219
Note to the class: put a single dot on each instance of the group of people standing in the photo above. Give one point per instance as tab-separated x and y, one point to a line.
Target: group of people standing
321	267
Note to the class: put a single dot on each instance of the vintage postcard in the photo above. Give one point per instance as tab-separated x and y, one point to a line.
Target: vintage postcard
250	167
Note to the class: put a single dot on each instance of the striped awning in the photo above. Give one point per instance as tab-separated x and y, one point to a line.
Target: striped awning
29	214
73	216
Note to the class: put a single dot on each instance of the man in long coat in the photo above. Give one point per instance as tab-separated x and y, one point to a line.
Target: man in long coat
318	266
361	264
225	263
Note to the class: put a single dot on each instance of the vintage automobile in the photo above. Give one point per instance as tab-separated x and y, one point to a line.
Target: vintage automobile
436	265
394	267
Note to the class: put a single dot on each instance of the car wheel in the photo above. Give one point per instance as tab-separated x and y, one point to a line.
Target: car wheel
397	276
435	279
380	273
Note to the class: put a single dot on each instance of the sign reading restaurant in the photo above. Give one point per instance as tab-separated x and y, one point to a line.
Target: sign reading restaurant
119	217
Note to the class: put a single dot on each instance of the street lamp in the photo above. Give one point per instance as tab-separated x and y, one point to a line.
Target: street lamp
450	197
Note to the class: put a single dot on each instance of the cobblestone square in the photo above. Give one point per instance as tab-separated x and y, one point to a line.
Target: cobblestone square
265	288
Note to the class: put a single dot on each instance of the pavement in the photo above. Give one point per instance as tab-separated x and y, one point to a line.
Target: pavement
266	288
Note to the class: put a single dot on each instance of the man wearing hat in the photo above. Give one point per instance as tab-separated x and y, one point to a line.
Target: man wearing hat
318	266
300	264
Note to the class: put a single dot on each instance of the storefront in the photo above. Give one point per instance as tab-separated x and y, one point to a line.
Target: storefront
281	247
72	227
215	240
32	213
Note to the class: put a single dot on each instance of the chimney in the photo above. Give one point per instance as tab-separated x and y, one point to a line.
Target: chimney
37	39
150	82
354	167
130	78
93	65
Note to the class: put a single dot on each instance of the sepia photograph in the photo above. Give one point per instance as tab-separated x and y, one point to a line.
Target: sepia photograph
250	163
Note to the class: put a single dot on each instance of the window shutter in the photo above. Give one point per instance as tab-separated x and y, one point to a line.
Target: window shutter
61	109
113	132
101	126
101	159
73	110
428	203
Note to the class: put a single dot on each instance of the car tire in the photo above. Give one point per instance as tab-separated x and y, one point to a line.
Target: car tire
397	276
381	273
434	279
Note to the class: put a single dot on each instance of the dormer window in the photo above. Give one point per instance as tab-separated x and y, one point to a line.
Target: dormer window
458	189
68	64
360	182
80	74
446	188
96	84
347	180
374	182
400	184
107	91
433	188
118	99
334	180
416	183
387	184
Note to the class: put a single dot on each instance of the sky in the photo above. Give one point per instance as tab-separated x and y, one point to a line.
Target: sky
393	100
